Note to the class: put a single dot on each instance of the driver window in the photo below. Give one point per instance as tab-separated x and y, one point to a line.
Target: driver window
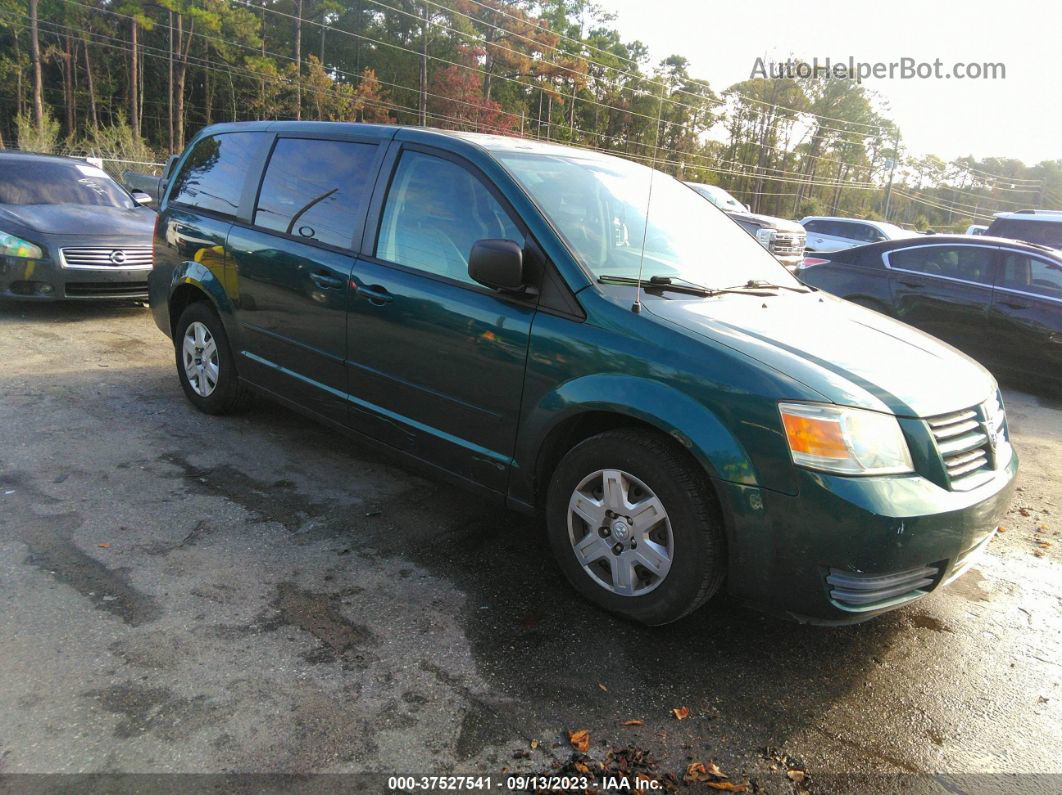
435	211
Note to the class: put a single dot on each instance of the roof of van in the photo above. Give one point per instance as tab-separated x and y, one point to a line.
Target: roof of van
490	142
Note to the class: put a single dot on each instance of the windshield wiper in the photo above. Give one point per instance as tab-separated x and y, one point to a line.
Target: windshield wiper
680	285
762	284
659	282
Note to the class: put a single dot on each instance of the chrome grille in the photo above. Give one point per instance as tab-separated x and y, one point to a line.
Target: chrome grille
788	243
972	443
106	257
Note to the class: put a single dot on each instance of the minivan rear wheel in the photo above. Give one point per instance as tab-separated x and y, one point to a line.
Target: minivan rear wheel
635	527
205	364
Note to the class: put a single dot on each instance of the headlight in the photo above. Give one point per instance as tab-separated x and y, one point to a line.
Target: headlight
765	236
845	440
11	246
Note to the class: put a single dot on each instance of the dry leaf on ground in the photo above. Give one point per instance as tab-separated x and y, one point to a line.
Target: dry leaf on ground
681	713
580	740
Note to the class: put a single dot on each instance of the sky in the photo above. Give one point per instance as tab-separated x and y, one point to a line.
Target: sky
1019	116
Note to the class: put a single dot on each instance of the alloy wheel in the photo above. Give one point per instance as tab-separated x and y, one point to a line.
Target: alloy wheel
200	357
620	532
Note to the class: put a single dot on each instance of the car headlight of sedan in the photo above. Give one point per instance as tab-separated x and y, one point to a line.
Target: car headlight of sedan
765	236
11	246
845	440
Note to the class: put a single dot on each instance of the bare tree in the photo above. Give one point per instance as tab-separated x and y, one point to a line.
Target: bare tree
35	59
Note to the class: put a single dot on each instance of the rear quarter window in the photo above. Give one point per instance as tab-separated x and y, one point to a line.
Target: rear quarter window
213	175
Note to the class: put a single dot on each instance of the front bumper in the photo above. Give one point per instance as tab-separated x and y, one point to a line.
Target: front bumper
846	549
48	280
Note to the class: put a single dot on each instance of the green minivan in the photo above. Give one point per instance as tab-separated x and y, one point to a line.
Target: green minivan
572	333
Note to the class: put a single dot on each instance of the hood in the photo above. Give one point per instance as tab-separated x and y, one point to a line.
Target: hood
77	219
767	222
851	355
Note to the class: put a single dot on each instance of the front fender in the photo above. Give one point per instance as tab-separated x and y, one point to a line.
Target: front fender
687	421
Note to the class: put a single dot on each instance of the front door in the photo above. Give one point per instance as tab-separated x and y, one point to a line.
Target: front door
946	290
436	361
292	267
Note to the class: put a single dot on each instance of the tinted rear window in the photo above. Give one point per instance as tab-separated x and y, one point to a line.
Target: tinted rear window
316	189
1046	233
43	182
213	175
967	263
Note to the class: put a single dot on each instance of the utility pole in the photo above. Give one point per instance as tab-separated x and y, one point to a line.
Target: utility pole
892	172
35	58
423	105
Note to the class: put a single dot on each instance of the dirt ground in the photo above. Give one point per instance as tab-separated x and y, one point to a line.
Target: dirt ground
182	593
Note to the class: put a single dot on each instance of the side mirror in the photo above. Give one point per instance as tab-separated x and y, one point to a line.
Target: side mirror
498	264
140	197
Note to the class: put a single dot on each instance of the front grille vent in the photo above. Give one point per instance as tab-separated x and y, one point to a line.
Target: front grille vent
972	443
107	289
107	257
857	591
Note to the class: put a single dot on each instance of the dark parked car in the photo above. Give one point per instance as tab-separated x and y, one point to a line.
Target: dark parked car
1043	227
998	300
69	231
473	303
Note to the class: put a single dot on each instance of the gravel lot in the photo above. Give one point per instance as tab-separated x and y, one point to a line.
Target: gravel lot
181	593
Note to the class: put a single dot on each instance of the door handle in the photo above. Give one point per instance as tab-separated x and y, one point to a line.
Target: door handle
326	281
1015	304
377	295
912	285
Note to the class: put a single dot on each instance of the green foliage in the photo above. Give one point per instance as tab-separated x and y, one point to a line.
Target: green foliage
114	144
34	138
552	69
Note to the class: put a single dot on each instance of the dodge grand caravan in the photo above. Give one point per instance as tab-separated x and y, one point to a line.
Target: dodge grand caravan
569	332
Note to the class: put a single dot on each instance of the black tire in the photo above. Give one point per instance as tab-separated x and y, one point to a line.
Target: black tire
698	557
230	394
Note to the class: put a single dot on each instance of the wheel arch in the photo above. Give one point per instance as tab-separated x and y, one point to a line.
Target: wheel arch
194	282
591	405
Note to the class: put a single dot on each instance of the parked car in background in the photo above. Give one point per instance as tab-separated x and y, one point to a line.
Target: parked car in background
997	300
532	322
1033	226
783	238
976	229
833	234
69	231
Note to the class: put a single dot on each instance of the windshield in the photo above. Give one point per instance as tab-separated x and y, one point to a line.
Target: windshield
600	205
44	182
718	197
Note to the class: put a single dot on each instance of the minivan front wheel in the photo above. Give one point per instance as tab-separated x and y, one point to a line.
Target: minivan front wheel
635	527
205	363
